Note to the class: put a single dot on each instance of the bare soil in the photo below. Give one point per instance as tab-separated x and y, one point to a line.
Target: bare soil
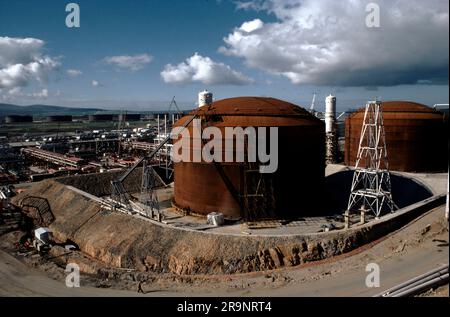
420	245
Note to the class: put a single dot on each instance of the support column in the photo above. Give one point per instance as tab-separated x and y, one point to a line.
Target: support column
332	148
347	219
363	215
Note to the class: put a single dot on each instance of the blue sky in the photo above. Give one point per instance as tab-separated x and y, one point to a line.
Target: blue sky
138	54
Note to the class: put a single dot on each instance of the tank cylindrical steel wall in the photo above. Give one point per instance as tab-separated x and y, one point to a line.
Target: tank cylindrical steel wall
130	117
100	117
416	137
59	118
200	188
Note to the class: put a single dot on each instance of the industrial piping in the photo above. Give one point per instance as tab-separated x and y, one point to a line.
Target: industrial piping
420	283
330	130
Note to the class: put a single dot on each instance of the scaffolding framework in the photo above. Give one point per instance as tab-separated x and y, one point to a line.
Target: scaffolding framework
120	196
258	198
148	195
258	194
371	186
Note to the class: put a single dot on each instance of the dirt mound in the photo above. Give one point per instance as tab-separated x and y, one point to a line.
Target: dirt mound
125	241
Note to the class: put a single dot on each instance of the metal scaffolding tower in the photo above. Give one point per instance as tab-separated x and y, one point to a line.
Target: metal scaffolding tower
371	186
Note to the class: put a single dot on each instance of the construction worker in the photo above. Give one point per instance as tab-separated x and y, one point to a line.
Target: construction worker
140	290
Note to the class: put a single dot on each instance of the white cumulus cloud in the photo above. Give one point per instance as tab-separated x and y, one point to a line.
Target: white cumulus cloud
328	43
41	94
22	61
202	69
95	83
251	26
128	62
74	72
17	92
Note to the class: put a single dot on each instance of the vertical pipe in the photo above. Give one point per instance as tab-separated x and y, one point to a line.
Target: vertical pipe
330	113
165	125
157	140
158	125
165	145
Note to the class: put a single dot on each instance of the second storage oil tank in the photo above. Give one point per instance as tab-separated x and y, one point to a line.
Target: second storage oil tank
416	137
232	188
18	119
59	118
130	116
100	117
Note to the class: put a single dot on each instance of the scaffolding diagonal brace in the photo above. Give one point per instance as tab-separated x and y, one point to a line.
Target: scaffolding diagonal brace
148	194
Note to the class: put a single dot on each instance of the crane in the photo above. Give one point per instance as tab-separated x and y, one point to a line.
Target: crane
174	103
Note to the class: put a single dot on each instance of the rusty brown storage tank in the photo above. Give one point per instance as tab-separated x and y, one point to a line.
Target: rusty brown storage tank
202	187
416	137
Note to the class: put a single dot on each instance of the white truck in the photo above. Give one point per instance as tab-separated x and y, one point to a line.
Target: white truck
43	238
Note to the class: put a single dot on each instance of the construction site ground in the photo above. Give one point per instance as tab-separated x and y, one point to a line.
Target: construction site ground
412	250
117	250
332	220
81	215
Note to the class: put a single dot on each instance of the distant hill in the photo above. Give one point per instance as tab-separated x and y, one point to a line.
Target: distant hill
44	110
